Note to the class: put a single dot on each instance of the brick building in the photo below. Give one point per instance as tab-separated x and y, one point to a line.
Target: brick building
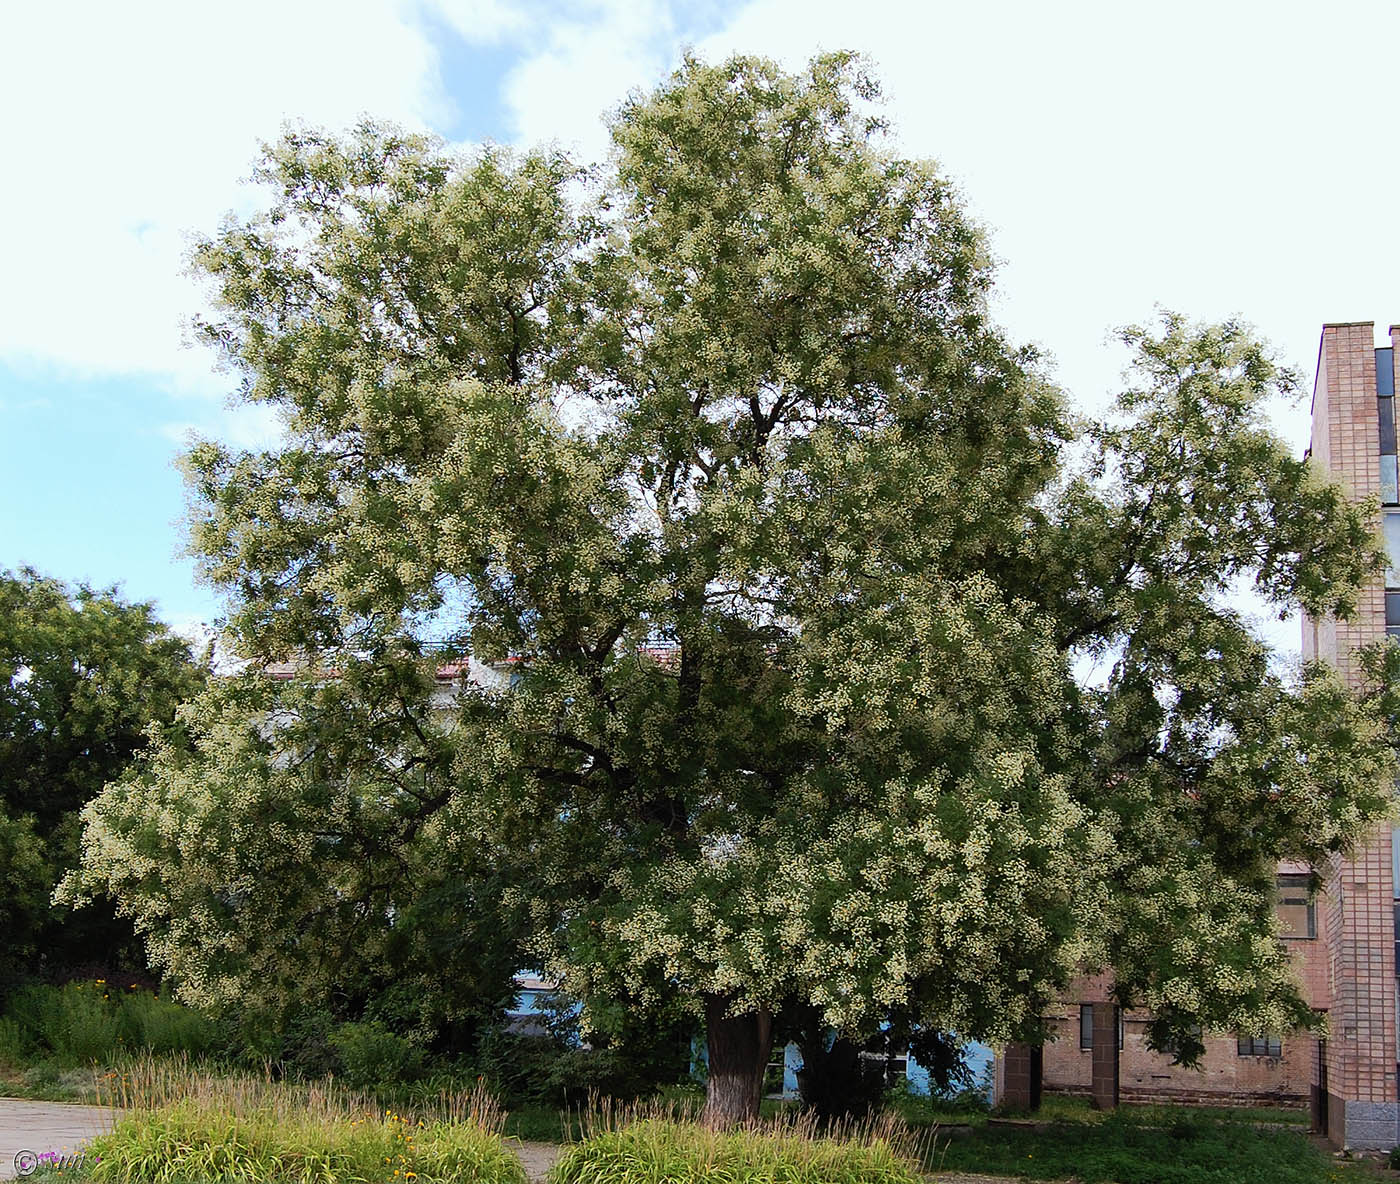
1344	941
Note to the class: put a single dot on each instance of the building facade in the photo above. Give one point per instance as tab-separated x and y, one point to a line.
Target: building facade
1354	1082
1343	942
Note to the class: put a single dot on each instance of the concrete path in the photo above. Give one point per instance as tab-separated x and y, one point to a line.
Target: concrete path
46	1126
536	1158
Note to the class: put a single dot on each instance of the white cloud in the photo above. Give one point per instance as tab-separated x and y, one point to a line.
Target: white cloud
480	21
1220	160
1216	159
140	118
584	68
252	425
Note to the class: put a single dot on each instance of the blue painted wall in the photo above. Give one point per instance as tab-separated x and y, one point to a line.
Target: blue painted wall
979	1060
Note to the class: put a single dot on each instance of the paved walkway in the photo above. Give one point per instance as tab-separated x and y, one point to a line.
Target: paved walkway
535	1158
46	1126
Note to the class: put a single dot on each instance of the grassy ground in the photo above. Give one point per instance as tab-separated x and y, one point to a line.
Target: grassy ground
47	1081
1133	1147
1139	1144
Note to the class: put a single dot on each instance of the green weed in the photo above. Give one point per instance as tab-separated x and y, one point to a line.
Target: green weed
657	1151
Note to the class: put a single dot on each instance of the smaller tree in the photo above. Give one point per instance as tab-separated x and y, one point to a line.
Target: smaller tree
83	675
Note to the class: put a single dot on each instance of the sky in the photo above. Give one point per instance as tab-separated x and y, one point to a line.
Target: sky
1218	159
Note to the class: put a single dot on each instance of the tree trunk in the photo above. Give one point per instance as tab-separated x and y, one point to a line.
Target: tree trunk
739	1046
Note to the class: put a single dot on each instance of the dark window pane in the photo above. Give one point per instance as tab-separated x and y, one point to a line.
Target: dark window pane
1385	371
1259	1046
1391	525
1385	413
1296	911
1086	1025
1392	608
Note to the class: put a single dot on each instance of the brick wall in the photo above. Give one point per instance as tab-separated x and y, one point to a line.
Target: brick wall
1224	1078
1356	919
1348	971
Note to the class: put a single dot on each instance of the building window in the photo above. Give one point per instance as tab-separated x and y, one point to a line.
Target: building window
1390	523
1260	1046
1086	1026
1385	407
1392	614
1397	937
1296	909
895	1068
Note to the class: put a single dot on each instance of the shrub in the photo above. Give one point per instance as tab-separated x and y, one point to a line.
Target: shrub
925	1109
519	1068
79	1023
298	1043
76	1022
542	1071
16	1044
370	1054
679	1153
160	1025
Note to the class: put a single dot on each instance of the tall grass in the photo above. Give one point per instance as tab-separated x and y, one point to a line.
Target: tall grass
647	1144
84	1022
188	1126
151	1083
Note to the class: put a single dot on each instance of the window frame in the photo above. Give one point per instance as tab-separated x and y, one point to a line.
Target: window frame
1086	1011
1259	1046
1300	884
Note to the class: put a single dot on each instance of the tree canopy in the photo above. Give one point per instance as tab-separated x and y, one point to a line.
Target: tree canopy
83	674
797	564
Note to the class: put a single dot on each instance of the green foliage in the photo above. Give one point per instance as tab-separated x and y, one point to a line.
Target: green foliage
922	1110
191	1140
369	1054
84	1023
535	1070
74	1022
83	674
650	1152
835	1080
16	1043
26	880
793	561
305	829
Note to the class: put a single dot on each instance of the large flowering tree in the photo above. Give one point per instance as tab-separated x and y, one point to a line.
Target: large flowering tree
799	567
